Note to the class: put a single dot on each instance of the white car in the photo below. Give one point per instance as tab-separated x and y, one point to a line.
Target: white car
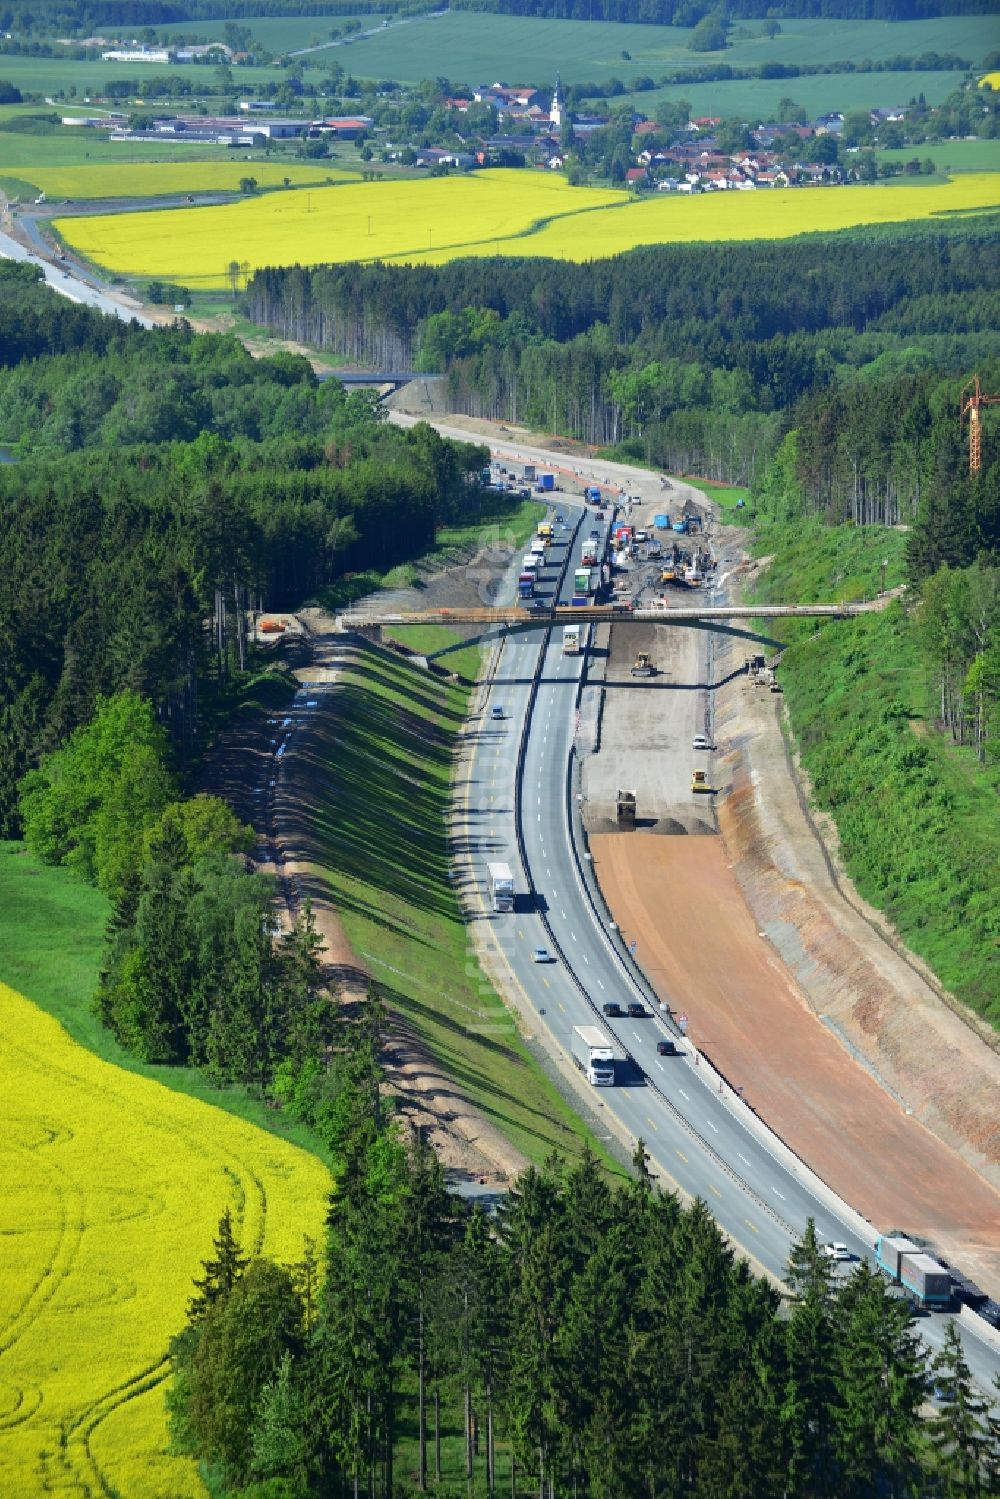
541	955
837	1252
700	742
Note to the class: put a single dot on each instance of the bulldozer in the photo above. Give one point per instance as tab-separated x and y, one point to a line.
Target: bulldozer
700	781
642	666
625	808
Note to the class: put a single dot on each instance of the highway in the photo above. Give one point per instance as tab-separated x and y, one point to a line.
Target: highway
70	285
699	1139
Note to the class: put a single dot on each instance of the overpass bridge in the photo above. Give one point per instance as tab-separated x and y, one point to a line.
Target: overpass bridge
512	617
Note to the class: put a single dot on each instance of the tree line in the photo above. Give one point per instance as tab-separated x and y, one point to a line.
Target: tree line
115	559
596	1339
692	12
696	358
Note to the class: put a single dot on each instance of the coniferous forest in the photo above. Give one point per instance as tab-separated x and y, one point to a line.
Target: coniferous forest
596	1339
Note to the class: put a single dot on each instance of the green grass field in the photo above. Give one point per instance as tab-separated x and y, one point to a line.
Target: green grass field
726	495
279	33
472	47
51	946
56	75
756	99
379	828
951	156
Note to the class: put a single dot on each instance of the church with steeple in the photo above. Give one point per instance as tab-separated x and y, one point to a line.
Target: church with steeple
556	110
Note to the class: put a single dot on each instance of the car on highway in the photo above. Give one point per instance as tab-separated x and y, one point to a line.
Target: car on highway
700	742
560	518
496	712
637	1011
541	955
539	606
612	1010
666	1048
837	1252
595	535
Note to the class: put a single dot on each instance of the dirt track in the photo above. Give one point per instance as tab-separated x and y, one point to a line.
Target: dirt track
700	946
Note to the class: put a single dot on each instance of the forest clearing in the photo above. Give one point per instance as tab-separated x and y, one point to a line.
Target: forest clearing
513	213
111	1190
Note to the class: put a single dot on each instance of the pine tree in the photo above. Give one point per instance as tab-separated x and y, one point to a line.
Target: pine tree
959	1434
879	1383
221	1273
806	1408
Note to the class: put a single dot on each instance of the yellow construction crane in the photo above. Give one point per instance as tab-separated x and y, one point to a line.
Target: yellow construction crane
973	402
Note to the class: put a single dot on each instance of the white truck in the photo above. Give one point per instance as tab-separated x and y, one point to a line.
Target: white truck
594	1054
571	640
501	886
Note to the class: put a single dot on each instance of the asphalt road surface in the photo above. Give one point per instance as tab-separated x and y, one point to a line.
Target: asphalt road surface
697	1140
69	285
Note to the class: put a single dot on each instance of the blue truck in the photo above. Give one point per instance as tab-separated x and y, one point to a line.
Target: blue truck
661	522
681	525
593	494
547	481
925	1280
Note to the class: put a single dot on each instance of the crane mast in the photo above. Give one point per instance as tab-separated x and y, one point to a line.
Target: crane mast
972	401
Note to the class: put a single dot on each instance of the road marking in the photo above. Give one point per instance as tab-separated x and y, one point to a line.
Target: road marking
637	1036
520	934
539	816
685	1095
682	1156
743	1159
562	1007
585	959
548	871
749	1225
599	984
779	1194
711	1125
562	913
651	1122
714	1189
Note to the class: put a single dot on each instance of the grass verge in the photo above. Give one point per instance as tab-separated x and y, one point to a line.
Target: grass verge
915	814
379	821
50	951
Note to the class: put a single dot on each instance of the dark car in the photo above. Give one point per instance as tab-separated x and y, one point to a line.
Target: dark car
612	1010
539	606
638	1011
666	1049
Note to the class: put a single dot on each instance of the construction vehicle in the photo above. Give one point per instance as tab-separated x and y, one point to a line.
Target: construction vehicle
272	627
642	666
662	522
668	575
700	781
972	404
625	809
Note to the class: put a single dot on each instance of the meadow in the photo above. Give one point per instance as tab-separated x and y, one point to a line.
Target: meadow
477	48
950	156
57	75
508	212
152	179
111	1188
756	99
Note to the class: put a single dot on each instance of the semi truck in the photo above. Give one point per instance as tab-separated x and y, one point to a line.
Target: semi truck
545	532
590	552
593	494
581	580
526	585
547	481
910	1266
571	640
501	886
594	1054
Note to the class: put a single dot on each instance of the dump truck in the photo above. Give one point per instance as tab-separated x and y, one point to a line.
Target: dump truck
662	522
668	575
700	781
625	809
501	886
571	640
594	1054
642	666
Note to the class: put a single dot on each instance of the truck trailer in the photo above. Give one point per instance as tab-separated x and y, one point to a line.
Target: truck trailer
526	585
926	1281
547	481
571	640
590	552
594	1054
501	886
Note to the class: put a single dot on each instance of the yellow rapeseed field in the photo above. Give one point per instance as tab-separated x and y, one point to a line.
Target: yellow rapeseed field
380	220
489	213
111	1188
150	179
991	80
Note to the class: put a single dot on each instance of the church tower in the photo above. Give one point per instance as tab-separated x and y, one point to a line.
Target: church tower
556	111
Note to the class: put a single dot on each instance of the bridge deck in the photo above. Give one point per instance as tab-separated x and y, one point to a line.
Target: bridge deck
620	614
